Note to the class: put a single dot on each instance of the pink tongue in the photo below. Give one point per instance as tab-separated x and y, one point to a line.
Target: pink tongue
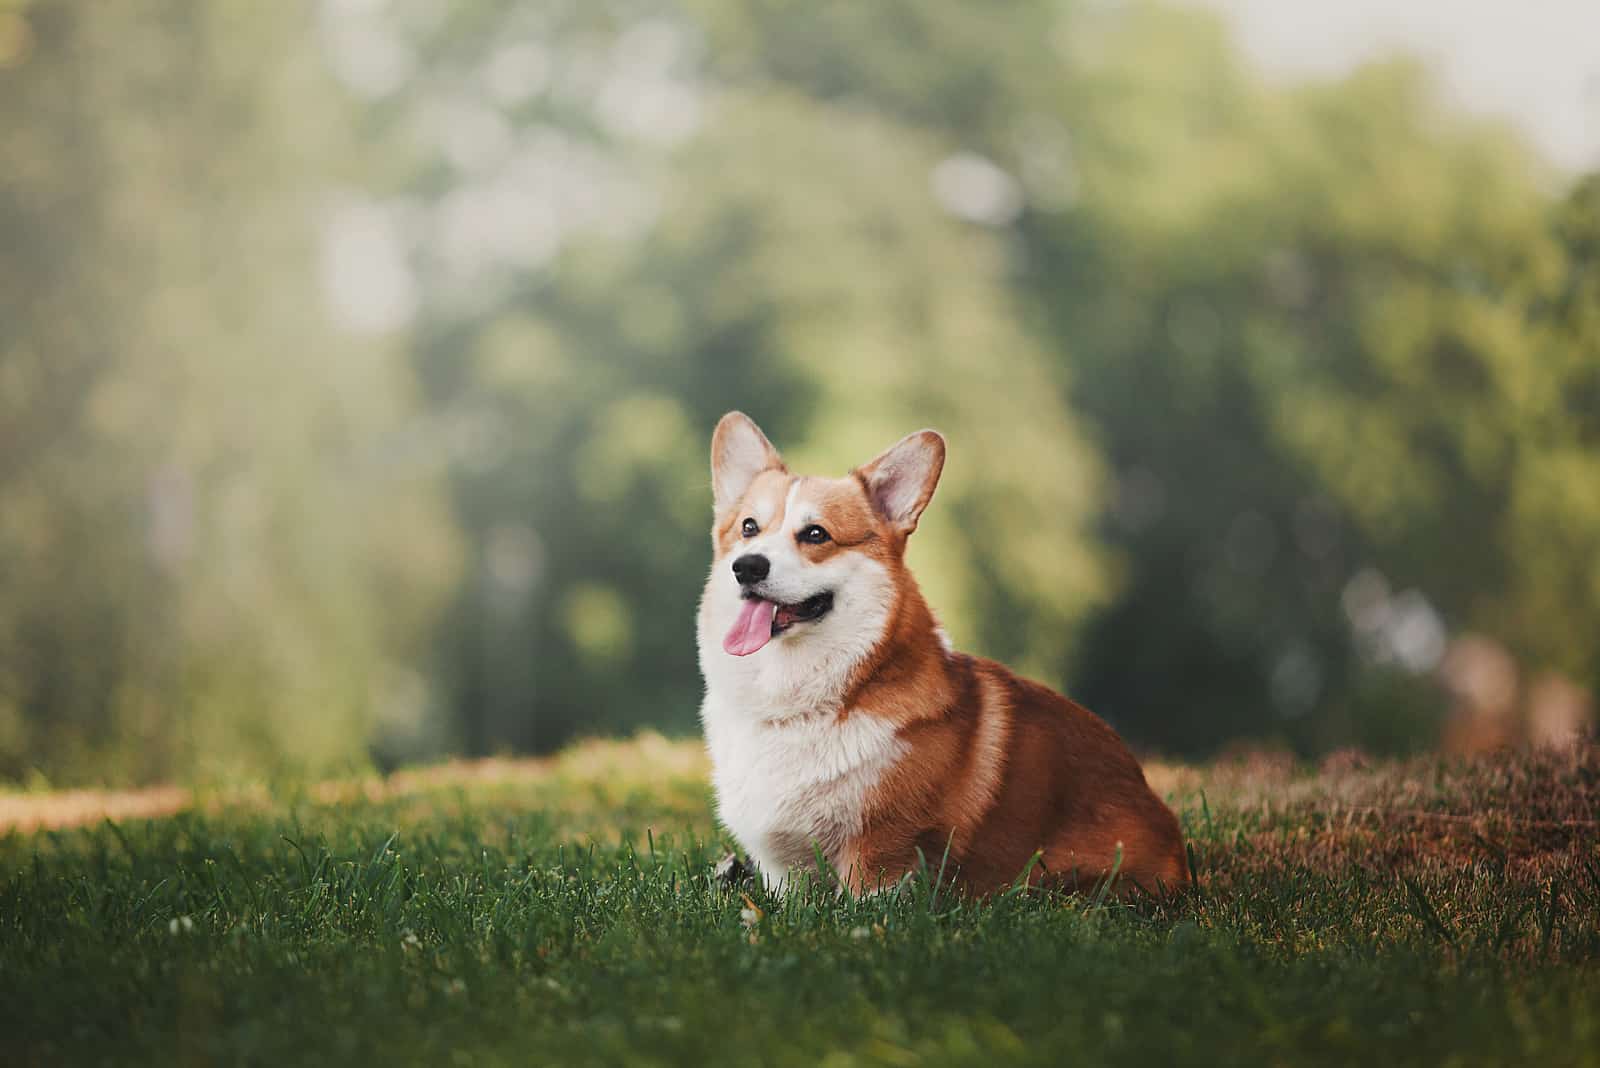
752	629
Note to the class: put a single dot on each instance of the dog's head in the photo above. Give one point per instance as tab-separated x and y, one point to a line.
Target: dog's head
809	562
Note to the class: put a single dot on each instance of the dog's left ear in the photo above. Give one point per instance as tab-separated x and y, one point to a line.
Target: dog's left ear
901	480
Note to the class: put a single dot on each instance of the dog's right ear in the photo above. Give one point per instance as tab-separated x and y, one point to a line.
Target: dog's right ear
739	452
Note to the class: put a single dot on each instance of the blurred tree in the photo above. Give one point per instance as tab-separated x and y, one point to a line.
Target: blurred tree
1271	304
1425	367
1122	134
1306	324
208	566
788	257
1319	369
1255	394
1557	524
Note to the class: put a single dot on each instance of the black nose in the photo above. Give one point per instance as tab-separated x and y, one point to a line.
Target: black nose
751	568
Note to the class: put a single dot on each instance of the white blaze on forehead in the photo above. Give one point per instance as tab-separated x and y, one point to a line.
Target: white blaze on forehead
788	502
764	514
800	512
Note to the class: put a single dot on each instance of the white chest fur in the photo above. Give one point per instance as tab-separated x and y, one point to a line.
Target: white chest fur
792	774
790	787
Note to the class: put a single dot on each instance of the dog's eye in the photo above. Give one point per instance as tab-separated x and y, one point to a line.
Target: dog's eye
814	534
750	529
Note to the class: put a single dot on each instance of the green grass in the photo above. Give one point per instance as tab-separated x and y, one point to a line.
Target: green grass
1416	913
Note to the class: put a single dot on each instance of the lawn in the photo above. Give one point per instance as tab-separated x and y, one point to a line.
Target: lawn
564	912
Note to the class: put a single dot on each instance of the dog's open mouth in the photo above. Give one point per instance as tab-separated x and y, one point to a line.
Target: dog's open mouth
812	608
761	620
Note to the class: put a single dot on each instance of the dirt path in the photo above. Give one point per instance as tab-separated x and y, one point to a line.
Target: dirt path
74	808
647	754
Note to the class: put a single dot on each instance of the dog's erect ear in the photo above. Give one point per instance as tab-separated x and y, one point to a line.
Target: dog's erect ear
739	452
901	480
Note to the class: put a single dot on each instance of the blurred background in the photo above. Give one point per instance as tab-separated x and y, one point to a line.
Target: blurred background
358	360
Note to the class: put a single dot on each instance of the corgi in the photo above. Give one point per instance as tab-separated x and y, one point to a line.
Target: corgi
843	727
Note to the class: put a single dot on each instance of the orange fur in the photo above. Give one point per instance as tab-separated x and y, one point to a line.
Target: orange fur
999	768
995	768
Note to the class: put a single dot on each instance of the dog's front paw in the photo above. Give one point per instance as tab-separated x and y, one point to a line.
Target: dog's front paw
732	870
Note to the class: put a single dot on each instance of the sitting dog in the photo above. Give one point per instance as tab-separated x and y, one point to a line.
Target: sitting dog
842	726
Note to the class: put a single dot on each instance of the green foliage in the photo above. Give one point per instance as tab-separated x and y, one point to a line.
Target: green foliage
1214	356
1417	378
1250	292
203	571
801	283
1309	327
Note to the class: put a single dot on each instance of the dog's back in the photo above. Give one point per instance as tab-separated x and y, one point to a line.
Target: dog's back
1008	769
